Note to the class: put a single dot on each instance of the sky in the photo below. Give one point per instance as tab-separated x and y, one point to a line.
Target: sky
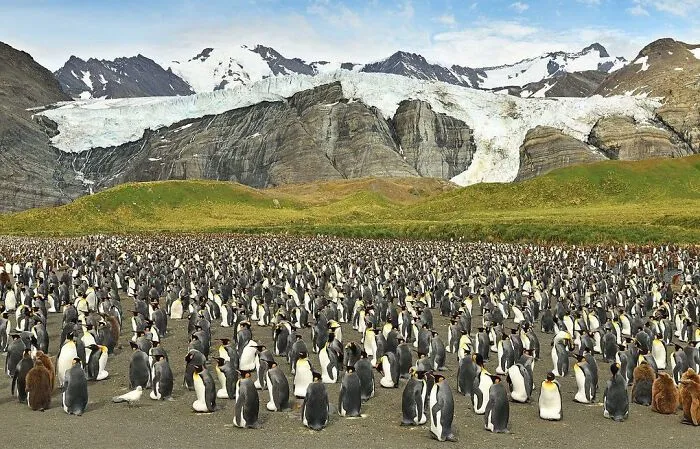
472	33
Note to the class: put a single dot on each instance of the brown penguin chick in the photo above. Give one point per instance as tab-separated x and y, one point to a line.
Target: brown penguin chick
39	387
48	364
643	378
115	328
664	395
690	397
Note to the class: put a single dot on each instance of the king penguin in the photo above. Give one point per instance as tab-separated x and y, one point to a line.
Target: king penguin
75	391
615	400
363	367
205	390
467	371
247	405
497	411
549	402
19	379
162	383
64	362
315	410
139	369
278	387
303	375
520	382
560	353
481	386
441	410
413	400
586	381
97	362
350	397
389	369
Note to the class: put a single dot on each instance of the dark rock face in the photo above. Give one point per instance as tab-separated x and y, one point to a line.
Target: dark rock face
122	78
434	144
281	65
576	84
29	175
314	135
622	138
545	149
413	66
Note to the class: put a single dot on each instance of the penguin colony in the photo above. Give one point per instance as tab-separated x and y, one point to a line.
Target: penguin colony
371	315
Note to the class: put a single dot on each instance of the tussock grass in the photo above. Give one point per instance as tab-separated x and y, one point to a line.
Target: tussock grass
606	202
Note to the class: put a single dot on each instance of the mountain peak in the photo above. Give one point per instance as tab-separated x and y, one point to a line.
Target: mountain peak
602	52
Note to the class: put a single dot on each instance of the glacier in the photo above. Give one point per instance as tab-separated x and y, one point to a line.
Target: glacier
500	121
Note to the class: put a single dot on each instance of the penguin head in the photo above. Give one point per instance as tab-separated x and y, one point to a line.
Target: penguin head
133	345
219	361
316	376
479	359
550	377
438	377
614	368
495	379
77	360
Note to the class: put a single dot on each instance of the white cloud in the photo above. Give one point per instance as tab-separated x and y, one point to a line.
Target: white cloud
520	7
681	8
446	19
590	2
637	10
406	10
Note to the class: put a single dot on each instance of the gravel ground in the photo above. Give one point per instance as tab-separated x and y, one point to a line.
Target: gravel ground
173	424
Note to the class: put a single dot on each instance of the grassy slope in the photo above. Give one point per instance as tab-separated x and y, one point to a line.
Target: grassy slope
613	201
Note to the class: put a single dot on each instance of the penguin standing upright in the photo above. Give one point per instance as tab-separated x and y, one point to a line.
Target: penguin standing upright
389	369
97	362
162	383
549	403
15	349
615	400
441	410
586	381
39	386
303	375
404	358
664	395
413	400
643	380
467	371
497	411
278	387
560	353
480	388
247	405
139	369
520	382
64	361
205	390
363	368
19	379
75	391
315	410
350	397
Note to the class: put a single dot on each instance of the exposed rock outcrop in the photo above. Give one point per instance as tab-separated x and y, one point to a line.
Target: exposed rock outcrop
136	76
434	144
545	149
669	69
314	135
29	175
621	138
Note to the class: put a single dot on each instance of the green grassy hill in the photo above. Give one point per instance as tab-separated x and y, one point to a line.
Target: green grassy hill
613	201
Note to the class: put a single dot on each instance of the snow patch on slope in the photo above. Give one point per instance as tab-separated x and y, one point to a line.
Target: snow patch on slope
696	52
500	122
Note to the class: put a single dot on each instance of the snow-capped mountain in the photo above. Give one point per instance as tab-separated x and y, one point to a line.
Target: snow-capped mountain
533	70
136	76
226	68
